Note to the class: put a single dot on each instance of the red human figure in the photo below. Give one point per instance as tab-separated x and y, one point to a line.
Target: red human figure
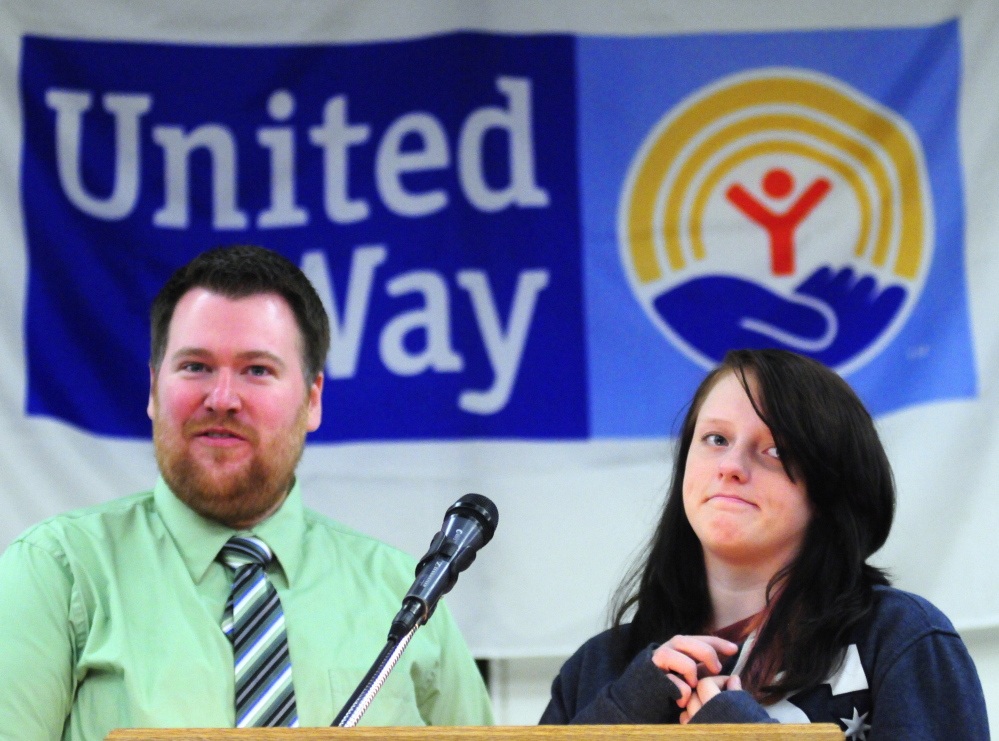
778	183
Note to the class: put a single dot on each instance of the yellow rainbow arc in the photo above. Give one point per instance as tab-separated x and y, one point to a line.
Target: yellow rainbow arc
673	141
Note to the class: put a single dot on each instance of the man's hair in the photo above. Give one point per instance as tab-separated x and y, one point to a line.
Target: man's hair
237	272
826	439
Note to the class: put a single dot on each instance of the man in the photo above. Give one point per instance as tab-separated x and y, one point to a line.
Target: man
216	598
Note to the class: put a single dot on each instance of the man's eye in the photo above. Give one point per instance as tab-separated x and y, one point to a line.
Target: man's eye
194	367
258	370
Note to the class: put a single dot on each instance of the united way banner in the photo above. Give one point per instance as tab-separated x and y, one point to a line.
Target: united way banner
534	233
760	191
428	188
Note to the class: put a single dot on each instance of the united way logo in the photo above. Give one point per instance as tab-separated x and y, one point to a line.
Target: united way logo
778	208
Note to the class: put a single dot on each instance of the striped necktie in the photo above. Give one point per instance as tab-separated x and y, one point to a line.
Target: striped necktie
254	622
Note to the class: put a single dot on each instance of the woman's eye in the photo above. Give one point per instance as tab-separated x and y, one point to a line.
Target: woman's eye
713	438
773	452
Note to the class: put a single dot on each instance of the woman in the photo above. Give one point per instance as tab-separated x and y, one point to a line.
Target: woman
755	602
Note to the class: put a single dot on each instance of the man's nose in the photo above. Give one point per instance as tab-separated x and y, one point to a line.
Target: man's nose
222	395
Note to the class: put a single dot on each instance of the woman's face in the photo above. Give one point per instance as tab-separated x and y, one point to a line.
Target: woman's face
743	507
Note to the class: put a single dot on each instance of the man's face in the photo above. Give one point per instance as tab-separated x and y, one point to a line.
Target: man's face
229	405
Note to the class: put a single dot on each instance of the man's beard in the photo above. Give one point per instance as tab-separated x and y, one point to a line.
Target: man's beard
238	497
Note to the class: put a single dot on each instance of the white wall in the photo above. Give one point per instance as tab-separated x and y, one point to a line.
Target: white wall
520	688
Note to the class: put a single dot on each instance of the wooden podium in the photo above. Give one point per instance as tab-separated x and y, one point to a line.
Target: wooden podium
707	732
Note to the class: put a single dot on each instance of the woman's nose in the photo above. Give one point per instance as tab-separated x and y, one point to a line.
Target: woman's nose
733	464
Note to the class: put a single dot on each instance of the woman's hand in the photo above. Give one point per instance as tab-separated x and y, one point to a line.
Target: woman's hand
686	659
705	690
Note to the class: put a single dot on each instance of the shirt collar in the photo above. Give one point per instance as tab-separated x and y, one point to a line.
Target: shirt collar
199	539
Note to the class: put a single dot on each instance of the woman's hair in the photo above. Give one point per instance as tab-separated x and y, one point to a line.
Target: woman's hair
826	439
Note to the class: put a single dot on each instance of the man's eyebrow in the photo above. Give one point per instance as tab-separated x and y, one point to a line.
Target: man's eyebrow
261	355
249	355
190	352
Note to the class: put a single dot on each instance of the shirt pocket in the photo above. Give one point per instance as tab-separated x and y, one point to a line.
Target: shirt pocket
394	705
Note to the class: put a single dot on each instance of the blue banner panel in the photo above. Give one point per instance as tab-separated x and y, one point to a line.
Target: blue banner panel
795	190
428	188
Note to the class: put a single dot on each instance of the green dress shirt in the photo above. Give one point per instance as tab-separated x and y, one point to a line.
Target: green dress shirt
110	618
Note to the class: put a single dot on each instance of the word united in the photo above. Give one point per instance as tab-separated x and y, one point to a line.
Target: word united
335	136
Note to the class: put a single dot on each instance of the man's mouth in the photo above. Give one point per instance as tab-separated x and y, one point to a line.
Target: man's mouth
219	434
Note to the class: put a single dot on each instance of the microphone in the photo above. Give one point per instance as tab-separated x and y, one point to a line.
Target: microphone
468	525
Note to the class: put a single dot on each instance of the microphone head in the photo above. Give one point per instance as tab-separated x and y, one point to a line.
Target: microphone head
479	508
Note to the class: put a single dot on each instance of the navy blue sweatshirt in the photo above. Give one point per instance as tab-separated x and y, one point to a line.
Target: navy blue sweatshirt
905	675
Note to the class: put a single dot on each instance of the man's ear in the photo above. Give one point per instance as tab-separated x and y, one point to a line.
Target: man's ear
315	414
151	405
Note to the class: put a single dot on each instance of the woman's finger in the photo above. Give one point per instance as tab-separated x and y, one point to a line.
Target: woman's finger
685	690
709	687
702	649
719	645
692	707
706	689
670	660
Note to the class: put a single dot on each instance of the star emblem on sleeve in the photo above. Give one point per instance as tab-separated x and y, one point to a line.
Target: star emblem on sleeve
855	728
